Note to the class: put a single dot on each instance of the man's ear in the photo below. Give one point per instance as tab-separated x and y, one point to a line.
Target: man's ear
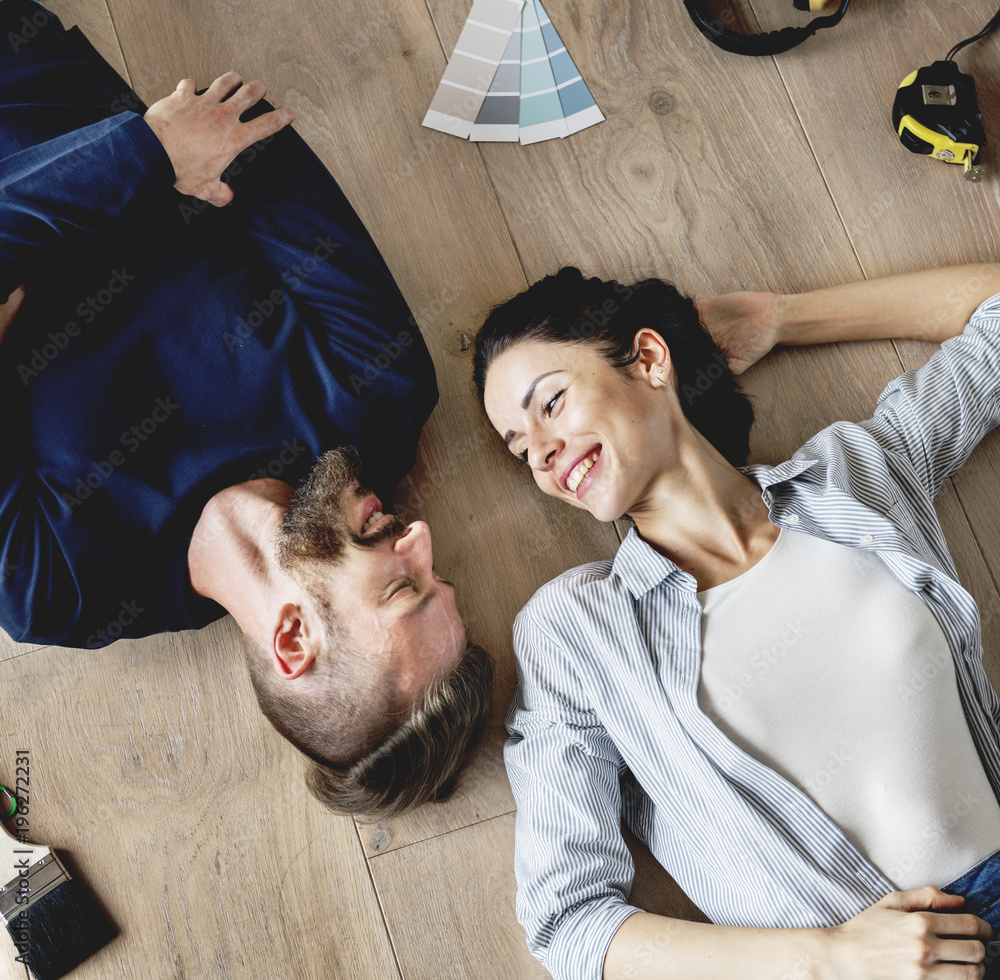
295	642
653	364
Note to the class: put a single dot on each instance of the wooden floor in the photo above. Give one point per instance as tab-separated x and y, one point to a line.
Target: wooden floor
149	762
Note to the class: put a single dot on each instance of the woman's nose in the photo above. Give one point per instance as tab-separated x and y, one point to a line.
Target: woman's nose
542	452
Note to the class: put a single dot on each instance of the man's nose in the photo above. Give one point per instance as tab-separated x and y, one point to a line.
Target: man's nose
415	544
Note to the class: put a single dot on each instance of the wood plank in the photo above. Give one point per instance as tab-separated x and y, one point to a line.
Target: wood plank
9	649
469	929
903	211
678	181
656	891
94	19
184	812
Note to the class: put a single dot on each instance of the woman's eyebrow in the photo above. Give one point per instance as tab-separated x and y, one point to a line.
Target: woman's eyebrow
525	402
531	388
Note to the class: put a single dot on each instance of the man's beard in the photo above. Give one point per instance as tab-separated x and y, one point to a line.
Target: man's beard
315	527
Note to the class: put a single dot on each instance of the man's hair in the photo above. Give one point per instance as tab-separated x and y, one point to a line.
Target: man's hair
423	758
370	752
372	749
567	308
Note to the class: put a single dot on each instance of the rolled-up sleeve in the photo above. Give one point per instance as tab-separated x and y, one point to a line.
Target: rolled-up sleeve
937	414
574	871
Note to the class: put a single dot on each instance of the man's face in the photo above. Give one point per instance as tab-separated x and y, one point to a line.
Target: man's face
376	571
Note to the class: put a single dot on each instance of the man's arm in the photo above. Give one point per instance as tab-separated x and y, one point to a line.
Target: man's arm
932	305
57	193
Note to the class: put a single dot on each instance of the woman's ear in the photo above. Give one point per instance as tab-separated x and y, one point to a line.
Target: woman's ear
652	362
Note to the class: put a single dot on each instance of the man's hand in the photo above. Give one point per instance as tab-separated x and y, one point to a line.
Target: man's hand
202	134
9	308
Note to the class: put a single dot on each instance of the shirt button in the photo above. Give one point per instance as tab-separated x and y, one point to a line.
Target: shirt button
866	539
792	519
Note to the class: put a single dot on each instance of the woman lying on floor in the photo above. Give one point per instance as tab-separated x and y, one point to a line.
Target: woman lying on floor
757	622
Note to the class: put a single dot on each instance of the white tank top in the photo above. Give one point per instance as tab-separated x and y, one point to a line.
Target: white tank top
820	664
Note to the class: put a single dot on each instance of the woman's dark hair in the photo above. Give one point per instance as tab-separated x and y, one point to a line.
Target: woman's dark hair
566	308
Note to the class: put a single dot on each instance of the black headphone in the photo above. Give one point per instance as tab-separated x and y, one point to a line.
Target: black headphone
772	42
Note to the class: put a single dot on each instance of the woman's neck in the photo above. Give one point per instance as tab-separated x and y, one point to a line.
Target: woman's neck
705	516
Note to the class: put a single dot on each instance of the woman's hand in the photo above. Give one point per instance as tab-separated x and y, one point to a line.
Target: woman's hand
744	325
901	936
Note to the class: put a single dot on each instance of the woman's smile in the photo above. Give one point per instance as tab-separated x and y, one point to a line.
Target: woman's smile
573	418
577	478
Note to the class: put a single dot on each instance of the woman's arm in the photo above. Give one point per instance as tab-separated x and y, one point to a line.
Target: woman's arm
932	305
893	938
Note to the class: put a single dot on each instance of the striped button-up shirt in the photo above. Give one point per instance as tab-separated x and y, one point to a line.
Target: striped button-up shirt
606	722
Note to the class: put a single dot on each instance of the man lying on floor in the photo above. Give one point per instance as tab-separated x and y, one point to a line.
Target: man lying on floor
164	361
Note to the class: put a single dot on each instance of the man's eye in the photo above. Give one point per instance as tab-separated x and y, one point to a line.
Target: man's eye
551	403
523	456
399	586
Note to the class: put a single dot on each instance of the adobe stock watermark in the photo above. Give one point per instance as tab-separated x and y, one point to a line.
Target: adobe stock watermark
419	489
374	366
131	439
88	309
936	662
705	377
598	317
28	29
933	833
191	207
290	451
292	277
761	663
837	763
128	613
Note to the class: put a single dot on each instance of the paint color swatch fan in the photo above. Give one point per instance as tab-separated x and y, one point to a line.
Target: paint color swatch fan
511	79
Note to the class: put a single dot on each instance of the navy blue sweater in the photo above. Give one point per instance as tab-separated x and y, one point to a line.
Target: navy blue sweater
167	349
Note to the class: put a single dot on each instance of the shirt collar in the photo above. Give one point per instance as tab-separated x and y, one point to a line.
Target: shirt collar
768	476
641	567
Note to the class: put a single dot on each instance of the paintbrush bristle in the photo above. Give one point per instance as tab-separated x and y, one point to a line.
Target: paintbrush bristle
60	930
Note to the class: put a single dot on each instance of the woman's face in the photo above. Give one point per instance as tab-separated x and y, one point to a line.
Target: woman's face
594	435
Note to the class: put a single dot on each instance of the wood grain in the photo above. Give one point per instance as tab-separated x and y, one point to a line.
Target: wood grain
469	930
678	182
902	211
185	813
94	19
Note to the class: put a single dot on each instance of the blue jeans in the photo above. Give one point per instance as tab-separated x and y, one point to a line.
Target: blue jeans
981	887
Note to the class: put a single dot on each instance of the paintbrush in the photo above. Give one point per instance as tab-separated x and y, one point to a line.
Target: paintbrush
52	918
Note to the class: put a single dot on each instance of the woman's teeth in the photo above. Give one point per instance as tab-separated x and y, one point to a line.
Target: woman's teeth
580	471
374	519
